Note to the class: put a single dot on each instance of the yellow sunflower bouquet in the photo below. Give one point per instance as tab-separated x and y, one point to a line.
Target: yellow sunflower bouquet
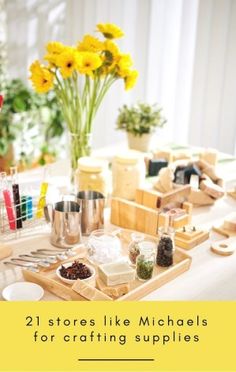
81	75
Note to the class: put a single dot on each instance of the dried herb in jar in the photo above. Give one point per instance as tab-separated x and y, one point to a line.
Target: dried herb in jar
144	267
134	252
165	252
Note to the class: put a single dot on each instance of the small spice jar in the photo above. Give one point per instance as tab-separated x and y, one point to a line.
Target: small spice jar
145	263
165	248
92	174
133	248
128	174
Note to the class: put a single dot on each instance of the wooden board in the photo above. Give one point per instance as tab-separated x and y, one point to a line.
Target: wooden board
220	229
48	280
133	216
155	199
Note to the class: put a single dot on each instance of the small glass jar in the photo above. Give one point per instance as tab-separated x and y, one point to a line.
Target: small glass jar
133	248
145	263
92	174
128	174
166	247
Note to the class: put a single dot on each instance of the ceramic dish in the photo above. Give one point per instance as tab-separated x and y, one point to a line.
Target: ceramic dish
72	281
23	291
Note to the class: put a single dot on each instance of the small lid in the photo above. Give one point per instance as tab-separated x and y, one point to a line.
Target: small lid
89	164
128	157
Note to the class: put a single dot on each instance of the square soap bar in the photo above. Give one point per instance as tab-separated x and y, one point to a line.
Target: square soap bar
116	273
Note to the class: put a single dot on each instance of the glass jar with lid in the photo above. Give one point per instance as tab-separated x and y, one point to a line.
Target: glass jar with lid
145	261
133	248
92	174
166	247
128	174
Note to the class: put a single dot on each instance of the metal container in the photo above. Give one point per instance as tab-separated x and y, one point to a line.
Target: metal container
92	207
66	223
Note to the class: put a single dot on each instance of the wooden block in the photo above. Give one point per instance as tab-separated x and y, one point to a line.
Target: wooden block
133	216
89	292
187	234
180	241
180	221
224	247
164	154
147	197
188	207
179	195
114	291
230	222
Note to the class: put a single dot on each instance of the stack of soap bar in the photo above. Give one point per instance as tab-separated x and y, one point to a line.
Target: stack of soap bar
116	273
155	166
114	291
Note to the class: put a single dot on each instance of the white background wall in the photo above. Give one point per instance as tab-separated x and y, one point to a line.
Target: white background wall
185	51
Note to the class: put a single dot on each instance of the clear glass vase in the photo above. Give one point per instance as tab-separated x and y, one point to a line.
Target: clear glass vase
80	145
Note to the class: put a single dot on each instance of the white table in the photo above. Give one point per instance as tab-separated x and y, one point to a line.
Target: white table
211	277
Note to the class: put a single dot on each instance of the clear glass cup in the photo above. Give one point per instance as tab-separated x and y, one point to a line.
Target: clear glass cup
104	247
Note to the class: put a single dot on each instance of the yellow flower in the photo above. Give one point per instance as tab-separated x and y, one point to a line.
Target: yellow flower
124	64
67	61
110	30
41	77
88	62
130	79
111	54
54	48
90	44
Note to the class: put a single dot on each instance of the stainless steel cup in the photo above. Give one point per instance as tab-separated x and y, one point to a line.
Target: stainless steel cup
92	206
66	223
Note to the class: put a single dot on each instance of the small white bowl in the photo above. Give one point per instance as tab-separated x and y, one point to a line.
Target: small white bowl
23	291
72	281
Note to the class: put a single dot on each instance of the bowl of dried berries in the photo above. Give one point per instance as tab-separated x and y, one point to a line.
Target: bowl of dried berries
71	271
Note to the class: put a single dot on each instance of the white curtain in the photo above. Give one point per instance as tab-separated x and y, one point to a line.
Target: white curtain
185	51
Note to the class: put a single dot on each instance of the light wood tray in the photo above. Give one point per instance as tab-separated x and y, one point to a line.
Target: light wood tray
48	280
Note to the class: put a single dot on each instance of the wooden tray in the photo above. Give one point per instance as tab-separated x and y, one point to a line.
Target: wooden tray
48	280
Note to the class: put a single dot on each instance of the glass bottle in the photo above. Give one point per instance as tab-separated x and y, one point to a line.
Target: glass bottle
165	248
7	197
16	196
92	174
145	263
128	174
133	248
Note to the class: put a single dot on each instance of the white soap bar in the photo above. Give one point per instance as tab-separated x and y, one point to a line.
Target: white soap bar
116	273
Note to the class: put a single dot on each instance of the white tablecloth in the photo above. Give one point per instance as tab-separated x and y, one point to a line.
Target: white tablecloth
211	277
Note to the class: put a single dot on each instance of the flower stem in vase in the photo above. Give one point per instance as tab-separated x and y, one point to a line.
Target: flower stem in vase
80	145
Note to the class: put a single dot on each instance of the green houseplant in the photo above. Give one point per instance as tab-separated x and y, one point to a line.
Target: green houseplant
140	121
25	115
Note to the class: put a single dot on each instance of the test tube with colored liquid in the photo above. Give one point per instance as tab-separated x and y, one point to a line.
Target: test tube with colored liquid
43	193
29	207
7	197
16	196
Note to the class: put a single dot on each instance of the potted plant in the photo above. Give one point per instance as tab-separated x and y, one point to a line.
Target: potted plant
140	121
